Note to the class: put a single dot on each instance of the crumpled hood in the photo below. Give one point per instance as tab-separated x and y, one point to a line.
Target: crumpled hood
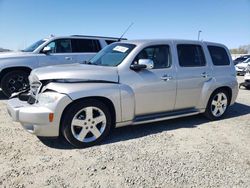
80	72
5	55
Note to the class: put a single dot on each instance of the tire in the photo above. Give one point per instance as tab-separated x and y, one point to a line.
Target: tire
79	125
217	105
14	81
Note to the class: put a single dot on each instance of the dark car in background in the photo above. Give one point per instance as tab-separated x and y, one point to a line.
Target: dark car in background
241	59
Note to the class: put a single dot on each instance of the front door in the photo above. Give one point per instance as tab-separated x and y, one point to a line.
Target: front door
61	53
155	89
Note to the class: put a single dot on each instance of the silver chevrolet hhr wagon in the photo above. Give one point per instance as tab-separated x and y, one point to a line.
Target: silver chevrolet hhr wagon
127	83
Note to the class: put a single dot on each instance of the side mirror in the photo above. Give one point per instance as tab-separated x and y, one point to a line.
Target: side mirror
148	62
143	64
47	50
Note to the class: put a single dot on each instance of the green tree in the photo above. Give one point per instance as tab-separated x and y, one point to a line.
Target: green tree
238	51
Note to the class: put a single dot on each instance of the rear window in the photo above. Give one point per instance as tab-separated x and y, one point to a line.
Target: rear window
110	41
85	45
219	55
190	55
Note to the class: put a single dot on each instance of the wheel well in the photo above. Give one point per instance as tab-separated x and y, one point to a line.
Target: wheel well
106	101
6	70
227	89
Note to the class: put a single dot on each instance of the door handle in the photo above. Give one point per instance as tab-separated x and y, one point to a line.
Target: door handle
166	77
204	75
68	58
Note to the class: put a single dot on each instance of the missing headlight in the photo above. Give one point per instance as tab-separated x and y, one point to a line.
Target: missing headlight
34	90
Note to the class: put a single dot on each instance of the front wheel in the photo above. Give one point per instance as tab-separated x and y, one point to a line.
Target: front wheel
217	105
14	81
86	123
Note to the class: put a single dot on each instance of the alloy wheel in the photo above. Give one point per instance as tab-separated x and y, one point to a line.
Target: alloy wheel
17	83
88	124
219	104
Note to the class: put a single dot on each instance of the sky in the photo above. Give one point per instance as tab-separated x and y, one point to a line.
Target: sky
23	22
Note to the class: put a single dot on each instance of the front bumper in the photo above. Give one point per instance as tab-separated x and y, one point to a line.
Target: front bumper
35	118
240	71
246	83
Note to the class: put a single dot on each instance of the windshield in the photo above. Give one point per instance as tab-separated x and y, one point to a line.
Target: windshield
112	55
247	61
34	46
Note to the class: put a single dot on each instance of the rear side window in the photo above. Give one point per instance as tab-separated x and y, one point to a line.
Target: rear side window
190	55
85	45
219	55
110	41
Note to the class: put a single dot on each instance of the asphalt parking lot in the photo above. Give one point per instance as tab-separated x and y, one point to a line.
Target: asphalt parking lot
186	152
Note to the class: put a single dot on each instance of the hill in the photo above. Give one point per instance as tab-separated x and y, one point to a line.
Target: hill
4	50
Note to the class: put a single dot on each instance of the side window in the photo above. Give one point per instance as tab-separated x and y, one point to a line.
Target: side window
52	45
110	41
85	45
60	46
190	55
159	54
219	55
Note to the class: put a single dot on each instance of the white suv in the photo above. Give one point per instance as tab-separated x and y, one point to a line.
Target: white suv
15	67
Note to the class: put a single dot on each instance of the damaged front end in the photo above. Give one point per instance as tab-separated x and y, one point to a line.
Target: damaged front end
30	94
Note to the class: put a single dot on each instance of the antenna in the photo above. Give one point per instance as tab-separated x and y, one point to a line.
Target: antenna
199	33
125	31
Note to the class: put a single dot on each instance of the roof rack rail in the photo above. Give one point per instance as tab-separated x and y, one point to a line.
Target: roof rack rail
117	38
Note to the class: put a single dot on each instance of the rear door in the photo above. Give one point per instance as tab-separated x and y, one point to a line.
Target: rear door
108	42
84	49
192	72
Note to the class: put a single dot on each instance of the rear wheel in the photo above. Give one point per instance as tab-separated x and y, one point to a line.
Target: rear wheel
14	81
217	105
86	123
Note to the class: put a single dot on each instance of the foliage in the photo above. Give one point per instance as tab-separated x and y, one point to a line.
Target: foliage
241	50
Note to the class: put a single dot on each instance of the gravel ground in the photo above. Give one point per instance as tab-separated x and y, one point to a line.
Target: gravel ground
186	152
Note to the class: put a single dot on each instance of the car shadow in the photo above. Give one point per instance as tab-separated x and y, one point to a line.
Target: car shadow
139	131
2	96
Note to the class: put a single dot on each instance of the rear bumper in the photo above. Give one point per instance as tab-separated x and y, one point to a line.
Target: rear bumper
235	91
35	118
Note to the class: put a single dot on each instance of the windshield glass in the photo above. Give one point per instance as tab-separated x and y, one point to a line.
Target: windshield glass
247	61
34	46
112	55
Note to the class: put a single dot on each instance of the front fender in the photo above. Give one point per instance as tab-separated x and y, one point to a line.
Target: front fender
120	95
29	62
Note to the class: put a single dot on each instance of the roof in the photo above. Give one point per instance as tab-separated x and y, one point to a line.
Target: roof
115	38
85	36
144	41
